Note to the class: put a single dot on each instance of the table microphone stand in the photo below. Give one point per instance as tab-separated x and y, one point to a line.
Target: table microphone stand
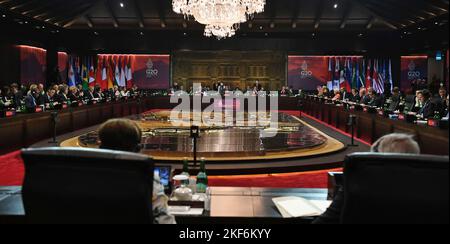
195	133
54	116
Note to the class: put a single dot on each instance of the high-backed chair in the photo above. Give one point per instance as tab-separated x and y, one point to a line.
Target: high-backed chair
73	185
395	188
409	102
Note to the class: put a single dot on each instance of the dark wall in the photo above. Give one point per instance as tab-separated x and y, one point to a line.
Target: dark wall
9	64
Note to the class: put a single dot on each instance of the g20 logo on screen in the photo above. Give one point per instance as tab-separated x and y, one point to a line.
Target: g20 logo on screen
151	71
304	72
413	73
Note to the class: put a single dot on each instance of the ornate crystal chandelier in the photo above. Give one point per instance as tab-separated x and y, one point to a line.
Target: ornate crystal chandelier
220	17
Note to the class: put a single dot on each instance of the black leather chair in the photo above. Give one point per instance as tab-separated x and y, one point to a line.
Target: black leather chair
395	188
73	185
410	100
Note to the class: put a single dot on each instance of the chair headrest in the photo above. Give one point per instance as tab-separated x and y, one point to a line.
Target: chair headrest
84	153
407	158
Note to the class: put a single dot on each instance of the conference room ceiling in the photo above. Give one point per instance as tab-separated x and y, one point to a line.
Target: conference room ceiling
279	15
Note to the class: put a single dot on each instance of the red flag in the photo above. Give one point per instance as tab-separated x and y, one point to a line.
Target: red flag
98	75
129	75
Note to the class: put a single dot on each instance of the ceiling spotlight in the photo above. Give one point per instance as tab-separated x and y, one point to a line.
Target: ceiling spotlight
96	33
141	33
266	34
335	5
184	34
122	5
3	16
436	23
260	27
360	34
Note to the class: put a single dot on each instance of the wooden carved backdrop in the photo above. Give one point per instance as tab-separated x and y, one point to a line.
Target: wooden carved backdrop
233	68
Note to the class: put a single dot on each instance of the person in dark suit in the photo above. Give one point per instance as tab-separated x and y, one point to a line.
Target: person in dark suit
31	100
62	98
355	96
73	91
48	97
429	107
443	98
374	99
17	95
346	96
3	101
98	94
89	95
392	143
364	96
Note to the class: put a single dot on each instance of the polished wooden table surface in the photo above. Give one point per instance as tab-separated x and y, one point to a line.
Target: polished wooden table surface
228	205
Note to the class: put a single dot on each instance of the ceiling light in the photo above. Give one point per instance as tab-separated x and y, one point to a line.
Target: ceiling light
221	18
336	5
4	16
122	5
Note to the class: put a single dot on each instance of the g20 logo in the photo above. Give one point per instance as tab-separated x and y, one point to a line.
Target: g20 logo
304	72
413	73
151	72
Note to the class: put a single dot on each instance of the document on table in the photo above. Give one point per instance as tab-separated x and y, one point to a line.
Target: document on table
292	207
188	212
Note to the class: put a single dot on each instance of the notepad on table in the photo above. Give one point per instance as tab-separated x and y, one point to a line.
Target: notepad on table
292	207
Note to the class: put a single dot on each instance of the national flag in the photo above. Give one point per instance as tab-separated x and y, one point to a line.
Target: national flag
122	72
116	72
389	78
342	82
71	74
377	77
381	77
110	73
348	75
337	74
355	66
98	73
361	74
104	78
77	71
330	73
368	74
129	73
84	74
91	72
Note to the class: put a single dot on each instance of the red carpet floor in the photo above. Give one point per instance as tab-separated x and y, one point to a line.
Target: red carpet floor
12	173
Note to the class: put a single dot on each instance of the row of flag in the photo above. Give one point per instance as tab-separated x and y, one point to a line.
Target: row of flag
106	71
357	72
